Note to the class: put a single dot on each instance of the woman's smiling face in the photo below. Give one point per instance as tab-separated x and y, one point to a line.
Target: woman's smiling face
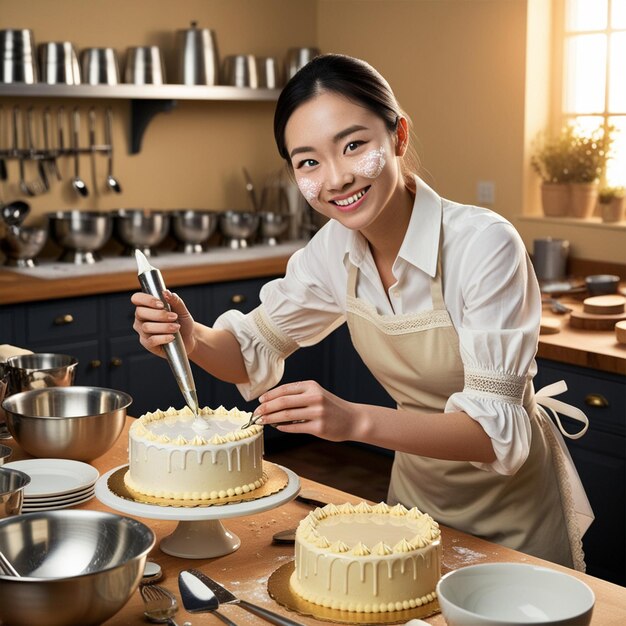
344	159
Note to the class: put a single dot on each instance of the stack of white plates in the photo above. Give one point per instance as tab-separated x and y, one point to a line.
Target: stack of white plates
56	483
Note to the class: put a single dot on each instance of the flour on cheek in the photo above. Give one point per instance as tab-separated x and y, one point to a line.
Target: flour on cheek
310	188
370	165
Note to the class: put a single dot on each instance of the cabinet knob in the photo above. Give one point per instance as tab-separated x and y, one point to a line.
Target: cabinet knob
238	298
596	400
116	361
63	320
95	363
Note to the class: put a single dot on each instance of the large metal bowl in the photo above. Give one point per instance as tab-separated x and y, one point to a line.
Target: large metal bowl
81	234
239	228
39	370
137	229
80	423
193	228
273	226
21	245
78	567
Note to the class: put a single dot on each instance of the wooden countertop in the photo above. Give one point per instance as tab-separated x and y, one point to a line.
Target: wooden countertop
246	570
595	349
17	287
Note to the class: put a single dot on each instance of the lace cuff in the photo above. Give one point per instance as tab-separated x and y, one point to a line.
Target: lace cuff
488	383
271	335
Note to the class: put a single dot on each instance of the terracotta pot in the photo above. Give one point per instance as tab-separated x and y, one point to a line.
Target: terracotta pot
613	211
583	200
555	199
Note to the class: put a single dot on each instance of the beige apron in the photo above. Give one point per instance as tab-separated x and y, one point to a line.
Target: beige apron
416	358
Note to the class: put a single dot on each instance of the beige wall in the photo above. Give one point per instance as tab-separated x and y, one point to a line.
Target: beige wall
459	68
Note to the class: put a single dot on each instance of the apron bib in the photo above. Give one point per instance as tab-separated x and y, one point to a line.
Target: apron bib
416	358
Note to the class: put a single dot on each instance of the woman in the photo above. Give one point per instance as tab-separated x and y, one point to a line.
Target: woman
441	303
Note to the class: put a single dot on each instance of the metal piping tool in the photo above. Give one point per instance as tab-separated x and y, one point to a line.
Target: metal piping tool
151	282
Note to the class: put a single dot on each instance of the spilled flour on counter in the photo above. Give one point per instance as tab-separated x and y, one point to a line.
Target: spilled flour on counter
458	556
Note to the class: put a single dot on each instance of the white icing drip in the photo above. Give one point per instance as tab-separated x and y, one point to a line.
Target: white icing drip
310	188
371	164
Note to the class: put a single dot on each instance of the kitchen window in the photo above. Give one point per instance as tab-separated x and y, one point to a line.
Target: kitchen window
593	73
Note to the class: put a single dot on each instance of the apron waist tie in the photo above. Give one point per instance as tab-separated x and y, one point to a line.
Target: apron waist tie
544	398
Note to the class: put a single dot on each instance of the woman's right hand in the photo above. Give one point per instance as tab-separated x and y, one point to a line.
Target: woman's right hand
156	326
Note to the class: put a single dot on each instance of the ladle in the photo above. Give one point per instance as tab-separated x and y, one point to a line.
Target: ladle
7	567
77	182
112	182
15	212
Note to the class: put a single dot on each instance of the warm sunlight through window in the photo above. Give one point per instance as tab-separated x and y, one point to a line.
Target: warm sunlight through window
594	85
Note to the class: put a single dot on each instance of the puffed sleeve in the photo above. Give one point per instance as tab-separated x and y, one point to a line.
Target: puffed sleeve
297	310
498	337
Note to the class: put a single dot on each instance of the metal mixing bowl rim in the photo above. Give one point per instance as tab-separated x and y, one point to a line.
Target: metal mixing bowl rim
73	362
78	513
25	478
125	398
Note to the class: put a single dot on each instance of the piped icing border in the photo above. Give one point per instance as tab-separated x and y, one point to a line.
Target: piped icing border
309	531
195	495
141	430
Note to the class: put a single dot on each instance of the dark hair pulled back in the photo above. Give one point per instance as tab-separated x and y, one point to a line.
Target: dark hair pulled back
352	78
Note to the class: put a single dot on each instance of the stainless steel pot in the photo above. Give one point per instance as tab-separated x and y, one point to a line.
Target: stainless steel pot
58	63
100	66
198	58
17	56
144	66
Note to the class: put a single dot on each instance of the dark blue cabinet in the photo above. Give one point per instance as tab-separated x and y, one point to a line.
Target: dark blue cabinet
600	458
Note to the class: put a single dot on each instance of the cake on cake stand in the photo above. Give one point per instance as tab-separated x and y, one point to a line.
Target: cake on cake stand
199	533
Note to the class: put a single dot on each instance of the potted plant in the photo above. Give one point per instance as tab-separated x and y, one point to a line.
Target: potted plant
612	201
551	160
589	154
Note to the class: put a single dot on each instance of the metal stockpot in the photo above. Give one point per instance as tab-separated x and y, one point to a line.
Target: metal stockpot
17	56
198	59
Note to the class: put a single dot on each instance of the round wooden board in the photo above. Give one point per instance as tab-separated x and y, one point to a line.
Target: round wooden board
604	305
589	321
620	332
549	326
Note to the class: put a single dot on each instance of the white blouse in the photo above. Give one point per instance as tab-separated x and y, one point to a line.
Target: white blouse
490	291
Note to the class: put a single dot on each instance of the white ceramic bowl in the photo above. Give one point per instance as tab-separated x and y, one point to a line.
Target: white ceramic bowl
504	594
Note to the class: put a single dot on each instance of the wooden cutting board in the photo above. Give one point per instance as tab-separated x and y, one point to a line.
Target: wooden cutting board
604	305
591	321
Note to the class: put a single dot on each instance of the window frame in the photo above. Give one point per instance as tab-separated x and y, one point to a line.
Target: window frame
559	117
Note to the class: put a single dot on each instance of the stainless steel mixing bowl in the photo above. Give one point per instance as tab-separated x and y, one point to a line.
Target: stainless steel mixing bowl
12	485
21	245
39	370
77	567
273	226
137	229
79	423
193	228
239	228
81	234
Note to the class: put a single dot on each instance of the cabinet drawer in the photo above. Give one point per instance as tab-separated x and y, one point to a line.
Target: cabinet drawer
242	295
601	396
62	319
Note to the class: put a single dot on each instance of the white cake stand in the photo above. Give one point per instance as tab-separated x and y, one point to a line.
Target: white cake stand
199	533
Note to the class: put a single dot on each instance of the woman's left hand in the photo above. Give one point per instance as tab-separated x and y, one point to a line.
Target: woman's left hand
306	407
